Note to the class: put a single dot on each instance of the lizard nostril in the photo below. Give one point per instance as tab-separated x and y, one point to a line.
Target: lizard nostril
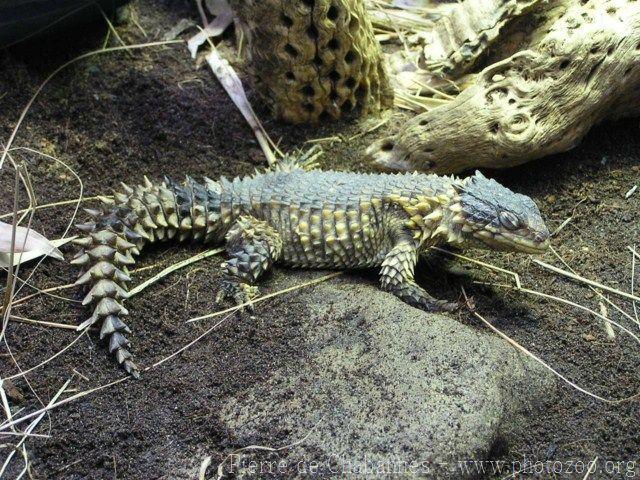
387	146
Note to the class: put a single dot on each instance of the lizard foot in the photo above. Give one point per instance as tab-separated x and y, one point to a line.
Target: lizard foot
417	297
241	293
434	305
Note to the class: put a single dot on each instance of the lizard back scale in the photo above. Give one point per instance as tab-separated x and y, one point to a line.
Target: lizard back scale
299	218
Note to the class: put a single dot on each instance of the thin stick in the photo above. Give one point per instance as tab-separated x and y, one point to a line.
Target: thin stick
585	280
515	276
64	326
180	350
112	29
20	434
435	91
365	132
11	423
573	304
51	406
54	204
173	268
595	290
266	297
633	282
551	369
592	468
60	352
33	203
33	425
11	275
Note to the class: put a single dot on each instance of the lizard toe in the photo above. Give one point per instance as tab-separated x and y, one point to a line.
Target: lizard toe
241	293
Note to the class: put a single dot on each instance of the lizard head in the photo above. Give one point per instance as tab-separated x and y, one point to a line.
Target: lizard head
498	218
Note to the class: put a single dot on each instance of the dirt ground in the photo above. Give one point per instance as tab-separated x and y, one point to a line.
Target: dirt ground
117	116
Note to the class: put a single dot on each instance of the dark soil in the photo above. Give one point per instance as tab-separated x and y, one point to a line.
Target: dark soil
117	116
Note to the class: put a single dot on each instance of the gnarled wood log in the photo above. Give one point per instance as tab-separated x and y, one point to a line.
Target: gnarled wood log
583	66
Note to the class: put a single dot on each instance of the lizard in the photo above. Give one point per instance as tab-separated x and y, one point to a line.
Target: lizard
299	217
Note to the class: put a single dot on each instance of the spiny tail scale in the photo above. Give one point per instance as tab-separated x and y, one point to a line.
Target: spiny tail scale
132	219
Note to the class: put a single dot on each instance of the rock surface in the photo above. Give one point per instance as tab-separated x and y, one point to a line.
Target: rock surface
382	388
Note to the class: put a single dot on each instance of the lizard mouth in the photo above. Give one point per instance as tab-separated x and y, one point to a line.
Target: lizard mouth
537	244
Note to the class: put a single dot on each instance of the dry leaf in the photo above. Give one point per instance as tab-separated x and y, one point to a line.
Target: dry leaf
29	244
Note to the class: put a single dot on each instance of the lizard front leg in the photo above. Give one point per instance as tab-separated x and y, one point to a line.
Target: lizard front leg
396	276
253	246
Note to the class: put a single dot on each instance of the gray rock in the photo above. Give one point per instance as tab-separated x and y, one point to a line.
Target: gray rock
382	388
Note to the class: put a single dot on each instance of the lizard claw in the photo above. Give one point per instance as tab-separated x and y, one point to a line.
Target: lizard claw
241	293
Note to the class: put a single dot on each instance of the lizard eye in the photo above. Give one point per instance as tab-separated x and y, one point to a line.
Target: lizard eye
509	220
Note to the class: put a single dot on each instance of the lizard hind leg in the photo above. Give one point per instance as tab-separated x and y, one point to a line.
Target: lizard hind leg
253	247
396	276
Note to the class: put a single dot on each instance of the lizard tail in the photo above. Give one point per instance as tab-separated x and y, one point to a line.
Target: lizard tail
119	230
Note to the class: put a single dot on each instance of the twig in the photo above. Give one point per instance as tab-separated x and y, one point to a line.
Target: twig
585	280
33	425
607	324
60	352
576	305
515	276
64	326
633	281
266	297
55	204
173	268
193	342
112	29
592	468
57	404
548	367
233	86
595	290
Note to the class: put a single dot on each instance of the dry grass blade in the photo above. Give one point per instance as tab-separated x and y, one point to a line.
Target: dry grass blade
33	425
515	276
595	290
51	406
585	280
233	86
551	369
112	29
63	326
191	343
173	268
12	275
576	305
591	469
266	297
44	362
54	204
634	254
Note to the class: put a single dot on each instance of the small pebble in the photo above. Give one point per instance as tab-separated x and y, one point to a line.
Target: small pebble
588	337
551	199
585	249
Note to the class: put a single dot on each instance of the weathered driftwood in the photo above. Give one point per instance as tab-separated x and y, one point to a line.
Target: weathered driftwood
314	58
583	66
466	30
